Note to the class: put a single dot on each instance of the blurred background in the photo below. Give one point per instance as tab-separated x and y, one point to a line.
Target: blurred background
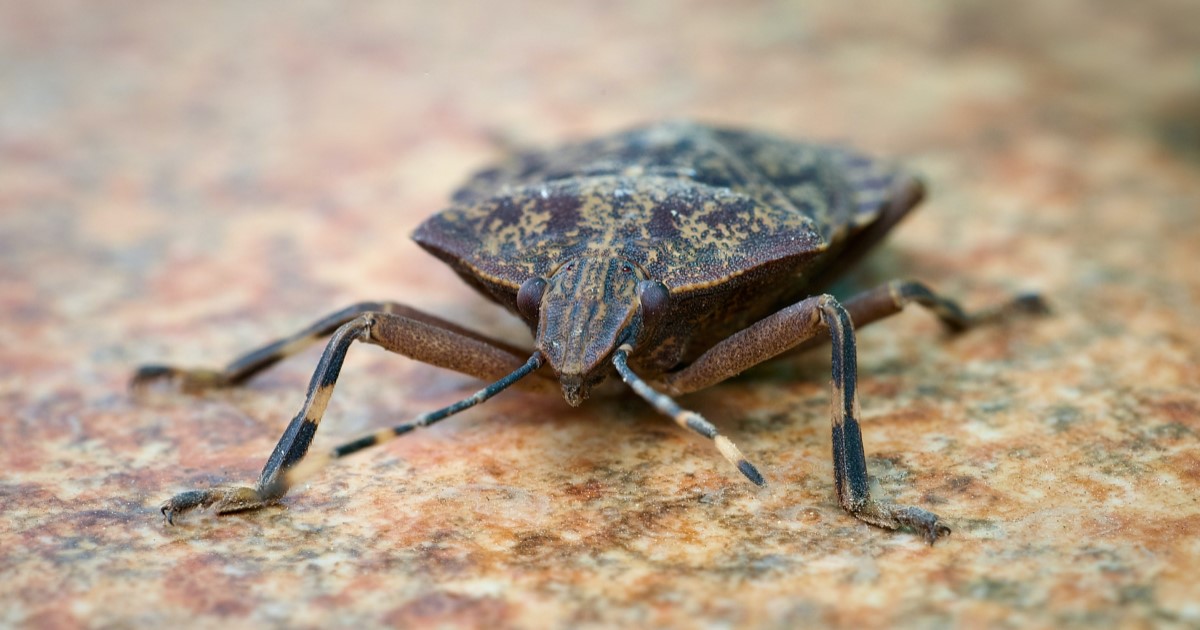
182	181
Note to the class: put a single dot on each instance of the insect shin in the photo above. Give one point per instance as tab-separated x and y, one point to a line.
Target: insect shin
317	461
687	419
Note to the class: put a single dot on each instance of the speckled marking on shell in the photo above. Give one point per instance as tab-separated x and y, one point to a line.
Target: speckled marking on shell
734	223
694	206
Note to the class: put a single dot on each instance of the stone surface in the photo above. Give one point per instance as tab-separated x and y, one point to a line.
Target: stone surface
182	181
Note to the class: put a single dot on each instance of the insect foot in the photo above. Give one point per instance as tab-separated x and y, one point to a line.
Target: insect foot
923	522
892	516
224	500
193	381
1031	304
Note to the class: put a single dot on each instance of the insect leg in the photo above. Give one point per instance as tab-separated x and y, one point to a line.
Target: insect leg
811	318
684	418
849	458
797	328
746	348
316	462
416	338
890	298
194	380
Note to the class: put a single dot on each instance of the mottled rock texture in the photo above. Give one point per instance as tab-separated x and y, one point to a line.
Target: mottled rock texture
182	181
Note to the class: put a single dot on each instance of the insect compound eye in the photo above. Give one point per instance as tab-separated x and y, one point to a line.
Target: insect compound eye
654	298
529	298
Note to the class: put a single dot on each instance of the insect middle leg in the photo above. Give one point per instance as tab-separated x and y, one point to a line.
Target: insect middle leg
416	338
823	317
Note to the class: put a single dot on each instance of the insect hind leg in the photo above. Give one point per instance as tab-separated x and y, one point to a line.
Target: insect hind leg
241	369
891	298
238	371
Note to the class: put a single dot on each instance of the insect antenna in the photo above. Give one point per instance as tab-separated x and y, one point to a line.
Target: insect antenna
684	418
313	463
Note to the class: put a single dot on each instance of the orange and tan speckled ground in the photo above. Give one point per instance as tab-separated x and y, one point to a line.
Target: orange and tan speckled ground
181	181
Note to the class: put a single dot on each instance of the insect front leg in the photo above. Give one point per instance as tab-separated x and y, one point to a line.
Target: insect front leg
849	458
813	318
816	320
416	338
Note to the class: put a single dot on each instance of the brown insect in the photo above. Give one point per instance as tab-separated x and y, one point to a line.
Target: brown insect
675	256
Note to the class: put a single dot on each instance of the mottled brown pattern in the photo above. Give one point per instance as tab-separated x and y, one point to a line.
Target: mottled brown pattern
695	206
735	224
188	180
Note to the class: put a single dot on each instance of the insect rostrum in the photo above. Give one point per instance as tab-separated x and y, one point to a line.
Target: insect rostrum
672	256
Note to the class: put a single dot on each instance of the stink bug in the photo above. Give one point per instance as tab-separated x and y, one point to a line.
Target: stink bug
673	256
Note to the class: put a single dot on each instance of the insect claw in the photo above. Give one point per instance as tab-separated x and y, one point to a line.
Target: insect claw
927	524
150	372
1032	303
225	499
